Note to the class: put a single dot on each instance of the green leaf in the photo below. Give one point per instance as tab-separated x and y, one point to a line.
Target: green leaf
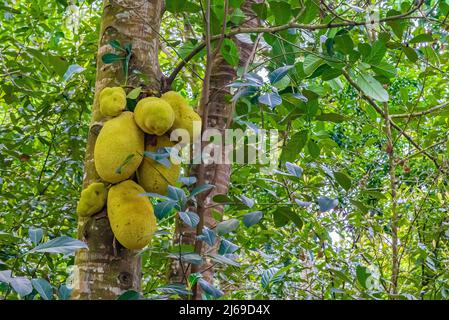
260	9
270	99
207	236
377	53
44	289
111	57
424	37
64	244
332	117
129	295
311	63
35	235
252	218
283	215
64	292
115	44
343	43
227	226
189	218
343	179
162	209
384	69
134	93
410	53
189	257
430	54
372	88
175	288
294	146
359	205
210	289
230	52
398	26
227	246
223	199
279	74
313	148
200	189
281	11
72	70
177	6
224	259
294	169
271	276
327	204
362	275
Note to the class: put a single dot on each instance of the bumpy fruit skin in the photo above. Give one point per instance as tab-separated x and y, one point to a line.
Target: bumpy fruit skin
154	115
184	115
92	199
154	176
112	101
131	215
119	148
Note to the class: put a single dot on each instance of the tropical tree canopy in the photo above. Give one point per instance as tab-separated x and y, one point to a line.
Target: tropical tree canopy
355	207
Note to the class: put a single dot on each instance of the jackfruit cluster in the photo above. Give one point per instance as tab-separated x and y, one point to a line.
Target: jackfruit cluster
154	115
155	177
185	116
112	101
92	199
119	160
131	215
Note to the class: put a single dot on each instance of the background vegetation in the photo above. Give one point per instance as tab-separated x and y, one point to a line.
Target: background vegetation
358	206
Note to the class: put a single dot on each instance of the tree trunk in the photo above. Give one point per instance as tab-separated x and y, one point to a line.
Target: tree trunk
106	269
219	112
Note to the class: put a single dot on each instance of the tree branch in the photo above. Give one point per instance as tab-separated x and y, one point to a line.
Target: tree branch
290	25
421	113
393	124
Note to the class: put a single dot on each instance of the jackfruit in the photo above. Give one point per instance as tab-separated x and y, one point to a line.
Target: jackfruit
119	148
154	176
154	115
131	215
112	101
92	199
184	114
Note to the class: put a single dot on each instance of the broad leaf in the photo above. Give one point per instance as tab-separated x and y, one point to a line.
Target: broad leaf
372	88
252	218
64	244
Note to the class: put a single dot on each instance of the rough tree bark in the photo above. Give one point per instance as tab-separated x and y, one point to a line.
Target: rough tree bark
106	270
218	115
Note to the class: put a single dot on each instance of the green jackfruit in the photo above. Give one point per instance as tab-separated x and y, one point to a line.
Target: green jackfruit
112	101
154	115
92	199
185	116
154	176
131	215
119	148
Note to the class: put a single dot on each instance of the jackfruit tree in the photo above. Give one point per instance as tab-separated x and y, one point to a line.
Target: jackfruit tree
103	272
93	206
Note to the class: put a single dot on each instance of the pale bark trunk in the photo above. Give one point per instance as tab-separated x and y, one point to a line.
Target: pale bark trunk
106	270
219	112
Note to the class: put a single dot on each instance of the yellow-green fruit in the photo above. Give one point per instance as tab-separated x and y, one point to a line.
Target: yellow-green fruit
154	176
184	115
154	115
131	215
112	101
92	199
119	148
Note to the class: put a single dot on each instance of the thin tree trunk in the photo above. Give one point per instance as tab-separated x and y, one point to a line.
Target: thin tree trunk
106	270
218	117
